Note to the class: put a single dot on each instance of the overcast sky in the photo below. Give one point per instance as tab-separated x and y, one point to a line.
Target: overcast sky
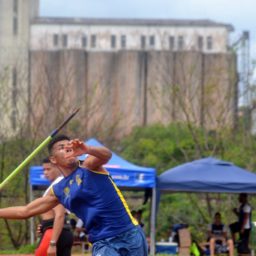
239	13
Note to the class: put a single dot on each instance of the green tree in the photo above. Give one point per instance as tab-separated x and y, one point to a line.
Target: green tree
164	147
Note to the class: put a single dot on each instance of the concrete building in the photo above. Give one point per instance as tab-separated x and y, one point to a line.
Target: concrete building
15	17
121	72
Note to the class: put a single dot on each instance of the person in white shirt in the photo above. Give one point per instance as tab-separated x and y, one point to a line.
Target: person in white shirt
243	225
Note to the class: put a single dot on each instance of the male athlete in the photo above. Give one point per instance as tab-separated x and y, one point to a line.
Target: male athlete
90	193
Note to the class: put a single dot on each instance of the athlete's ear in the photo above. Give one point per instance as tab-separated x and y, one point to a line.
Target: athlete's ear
52	159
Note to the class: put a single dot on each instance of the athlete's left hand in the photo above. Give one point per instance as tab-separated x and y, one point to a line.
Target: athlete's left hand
75	148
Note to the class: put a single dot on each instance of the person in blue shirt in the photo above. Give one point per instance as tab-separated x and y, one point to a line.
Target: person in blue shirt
88	190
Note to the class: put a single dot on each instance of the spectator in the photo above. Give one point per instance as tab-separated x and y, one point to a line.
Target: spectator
217	236
243	225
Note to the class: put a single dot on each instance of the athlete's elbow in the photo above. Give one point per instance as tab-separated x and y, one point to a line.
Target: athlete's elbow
105	156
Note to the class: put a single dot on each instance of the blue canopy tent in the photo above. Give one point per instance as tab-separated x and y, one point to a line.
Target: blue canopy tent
125	174
206	175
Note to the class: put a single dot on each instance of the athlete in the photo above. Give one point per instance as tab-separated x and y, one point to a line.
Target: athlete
54	226
89	192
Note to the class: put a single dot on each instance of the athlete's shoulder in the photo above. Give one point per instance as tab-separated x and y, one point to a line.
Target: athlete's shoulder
100	170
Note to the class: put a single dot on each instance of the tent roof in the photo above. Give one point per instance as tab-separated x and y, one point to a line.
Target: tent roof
208	175
124	173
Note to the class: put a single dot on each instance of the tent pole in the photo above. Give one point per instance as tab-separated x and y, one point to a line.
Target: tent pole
32	220
153	223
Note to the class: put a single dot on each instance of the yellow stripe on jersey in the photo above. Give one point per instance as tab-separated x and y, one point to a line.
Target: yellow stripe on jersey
134	221
52	191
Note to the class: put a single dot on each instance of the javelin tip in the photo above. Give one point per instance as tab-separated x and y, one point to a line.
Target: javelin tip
76	110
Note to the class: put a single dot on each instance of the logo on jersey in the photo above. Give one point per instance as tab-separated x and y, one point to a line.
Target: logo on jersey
66	191
78	180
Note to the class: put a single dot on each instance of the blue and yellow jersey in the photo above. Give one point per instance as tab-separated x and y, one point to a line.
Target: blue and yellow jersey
96	200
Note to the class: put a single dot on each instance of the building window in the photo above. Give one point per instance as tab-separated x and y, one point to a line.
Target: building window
15	6
152	41
200	42
143	42
180	42
123	41
113	41
15	25
65	40
171	43
209	43
84	41
93	41
15	17
55	40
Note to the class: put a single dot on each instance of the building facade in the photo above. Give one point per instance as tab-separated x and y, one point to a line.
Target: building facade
121	72
15	17
129	34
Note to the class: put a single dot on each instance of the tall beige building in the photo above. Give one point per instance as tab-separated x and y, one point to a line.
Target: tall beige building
15	19
121	72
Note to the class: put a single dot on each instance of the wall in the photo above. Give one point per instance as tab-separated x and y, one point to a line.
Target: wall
42	36
119	90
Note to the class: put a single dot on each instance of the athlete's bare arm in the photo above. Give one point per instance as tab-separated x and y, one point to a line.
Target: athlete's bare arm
38	206
59	218
58	224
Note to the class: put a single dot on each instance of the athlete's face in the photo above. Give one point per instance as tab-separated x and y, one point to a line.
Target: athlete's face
59	154
50	171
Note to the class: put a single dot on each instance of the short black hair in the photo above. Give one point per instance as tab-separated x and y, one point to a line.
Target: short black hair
46	160
55	140
217	214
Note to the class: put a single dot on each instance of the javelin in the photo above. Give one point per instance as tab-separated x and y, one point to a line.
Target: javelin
37	150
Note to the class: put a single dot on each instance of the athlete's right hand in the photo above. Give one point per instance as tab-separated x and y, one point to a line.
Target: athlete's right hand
75	148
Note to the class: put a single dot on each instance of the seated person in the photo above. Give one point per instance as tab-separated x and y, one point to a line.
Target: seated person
217	237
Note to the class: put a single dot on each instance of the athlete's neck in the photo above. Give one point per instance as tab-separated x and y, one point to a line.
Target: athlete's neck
67	170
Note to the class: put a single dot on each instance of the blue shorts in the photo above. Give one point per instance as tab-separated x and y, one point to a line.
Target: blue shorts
129	243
